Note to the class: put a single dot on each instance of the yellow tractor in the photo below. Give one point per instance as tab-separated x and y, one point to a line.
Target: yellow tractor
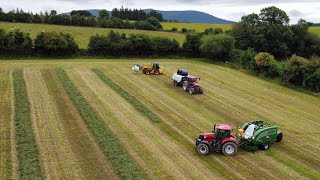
154	68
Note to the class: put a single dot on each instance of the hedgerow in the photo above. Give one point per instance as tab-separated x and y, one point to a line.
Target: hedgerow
131	99
28	154
108	142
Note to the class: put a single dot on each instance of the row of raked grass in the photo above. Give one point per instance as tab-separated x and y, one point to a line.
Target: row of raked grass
293	165
28	153
5	125
121	161
124	94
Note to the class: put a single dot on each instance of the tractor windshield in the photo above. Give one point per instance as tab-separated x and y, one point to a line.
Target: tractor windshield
248	133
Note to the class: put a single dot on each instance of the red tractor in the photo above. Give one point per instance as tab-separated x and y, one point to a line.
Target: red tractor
220	139
190	84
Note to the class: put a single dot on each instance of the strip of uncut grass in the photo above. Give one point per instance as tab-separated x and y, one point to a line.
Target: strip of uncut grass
107	141
131	99
28	154
5	125
294	165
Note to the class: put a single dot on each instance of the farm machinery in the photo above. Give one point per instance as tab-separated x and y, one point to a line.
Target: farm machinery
154	68
250	136
188	83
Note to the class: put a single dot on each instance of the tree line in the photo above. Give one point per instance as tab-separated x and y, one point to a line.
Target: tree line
85	19
135	14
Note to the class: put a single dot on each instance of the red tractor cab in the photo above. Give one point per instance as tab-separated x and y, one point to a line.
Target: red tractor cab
191	84
220	139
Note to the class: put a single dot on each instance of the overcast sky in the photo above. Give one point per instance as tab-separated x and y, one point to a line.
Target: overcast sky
226	9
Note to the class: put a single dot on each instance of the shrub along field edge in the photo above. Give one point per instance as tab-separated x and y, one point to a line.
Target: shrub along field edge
122	163
28	153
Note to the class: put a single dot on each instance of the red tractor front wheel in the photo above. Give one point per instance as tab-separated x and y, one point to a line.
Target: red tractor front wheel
229	148
203	149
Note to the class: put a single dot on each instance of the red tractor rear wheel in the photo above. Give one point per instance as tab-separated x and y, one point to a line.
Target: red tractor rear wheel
229	148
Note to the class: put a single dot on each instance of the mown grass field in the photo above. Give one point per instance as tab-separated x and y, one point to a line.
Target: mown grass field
97	119
196	27
82	34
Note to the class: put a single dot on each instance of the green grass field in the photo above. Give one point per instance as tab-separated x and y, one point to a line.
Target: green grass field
82	34
315	29
196	27
95	118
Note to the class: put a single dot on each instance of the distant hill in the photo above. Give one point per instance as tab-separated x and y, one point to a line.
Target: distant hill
184	16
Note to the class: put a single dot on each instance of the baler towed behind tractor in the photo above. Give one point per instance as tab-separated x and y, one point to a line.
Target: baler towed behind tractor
251	135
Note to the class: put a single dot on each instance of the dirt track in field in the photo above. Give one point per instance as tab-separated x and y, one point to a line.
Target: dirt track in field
163	150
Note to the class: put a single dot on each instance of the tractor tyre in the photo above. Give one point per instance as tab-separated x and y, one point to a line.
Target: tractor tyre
157	72
229	148
279	137
264	146
175	83
191	90
203	149
147	72
184	87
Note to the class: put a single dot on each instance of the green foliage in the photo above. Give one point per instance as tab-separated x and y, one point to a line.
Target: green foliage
54	44
312	81
266	32
154	22
143	25
212	31
103	14
294	71
266	65
192	44
108	142
115	44
217	47
248	58
139	45
164	46
264	59
131	99
174	29
28	154
15	42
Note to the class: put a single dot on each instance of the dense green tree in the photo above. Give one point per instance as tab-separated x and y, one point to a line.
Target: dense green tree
81	13
192	44
267	32
217	47
53	13
154	22
103	14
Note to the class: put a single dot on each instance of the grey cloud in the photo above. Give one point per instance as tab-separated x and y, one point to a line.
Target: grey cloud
295	13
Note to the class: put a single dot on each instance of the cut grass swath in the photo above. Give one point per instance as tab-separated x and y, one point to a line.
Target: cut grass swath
292	164
131	99
28	154
123	164
5	125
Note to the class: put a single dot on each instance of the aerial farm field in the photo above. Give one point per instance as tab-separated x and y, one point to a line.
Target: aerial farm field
97	119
